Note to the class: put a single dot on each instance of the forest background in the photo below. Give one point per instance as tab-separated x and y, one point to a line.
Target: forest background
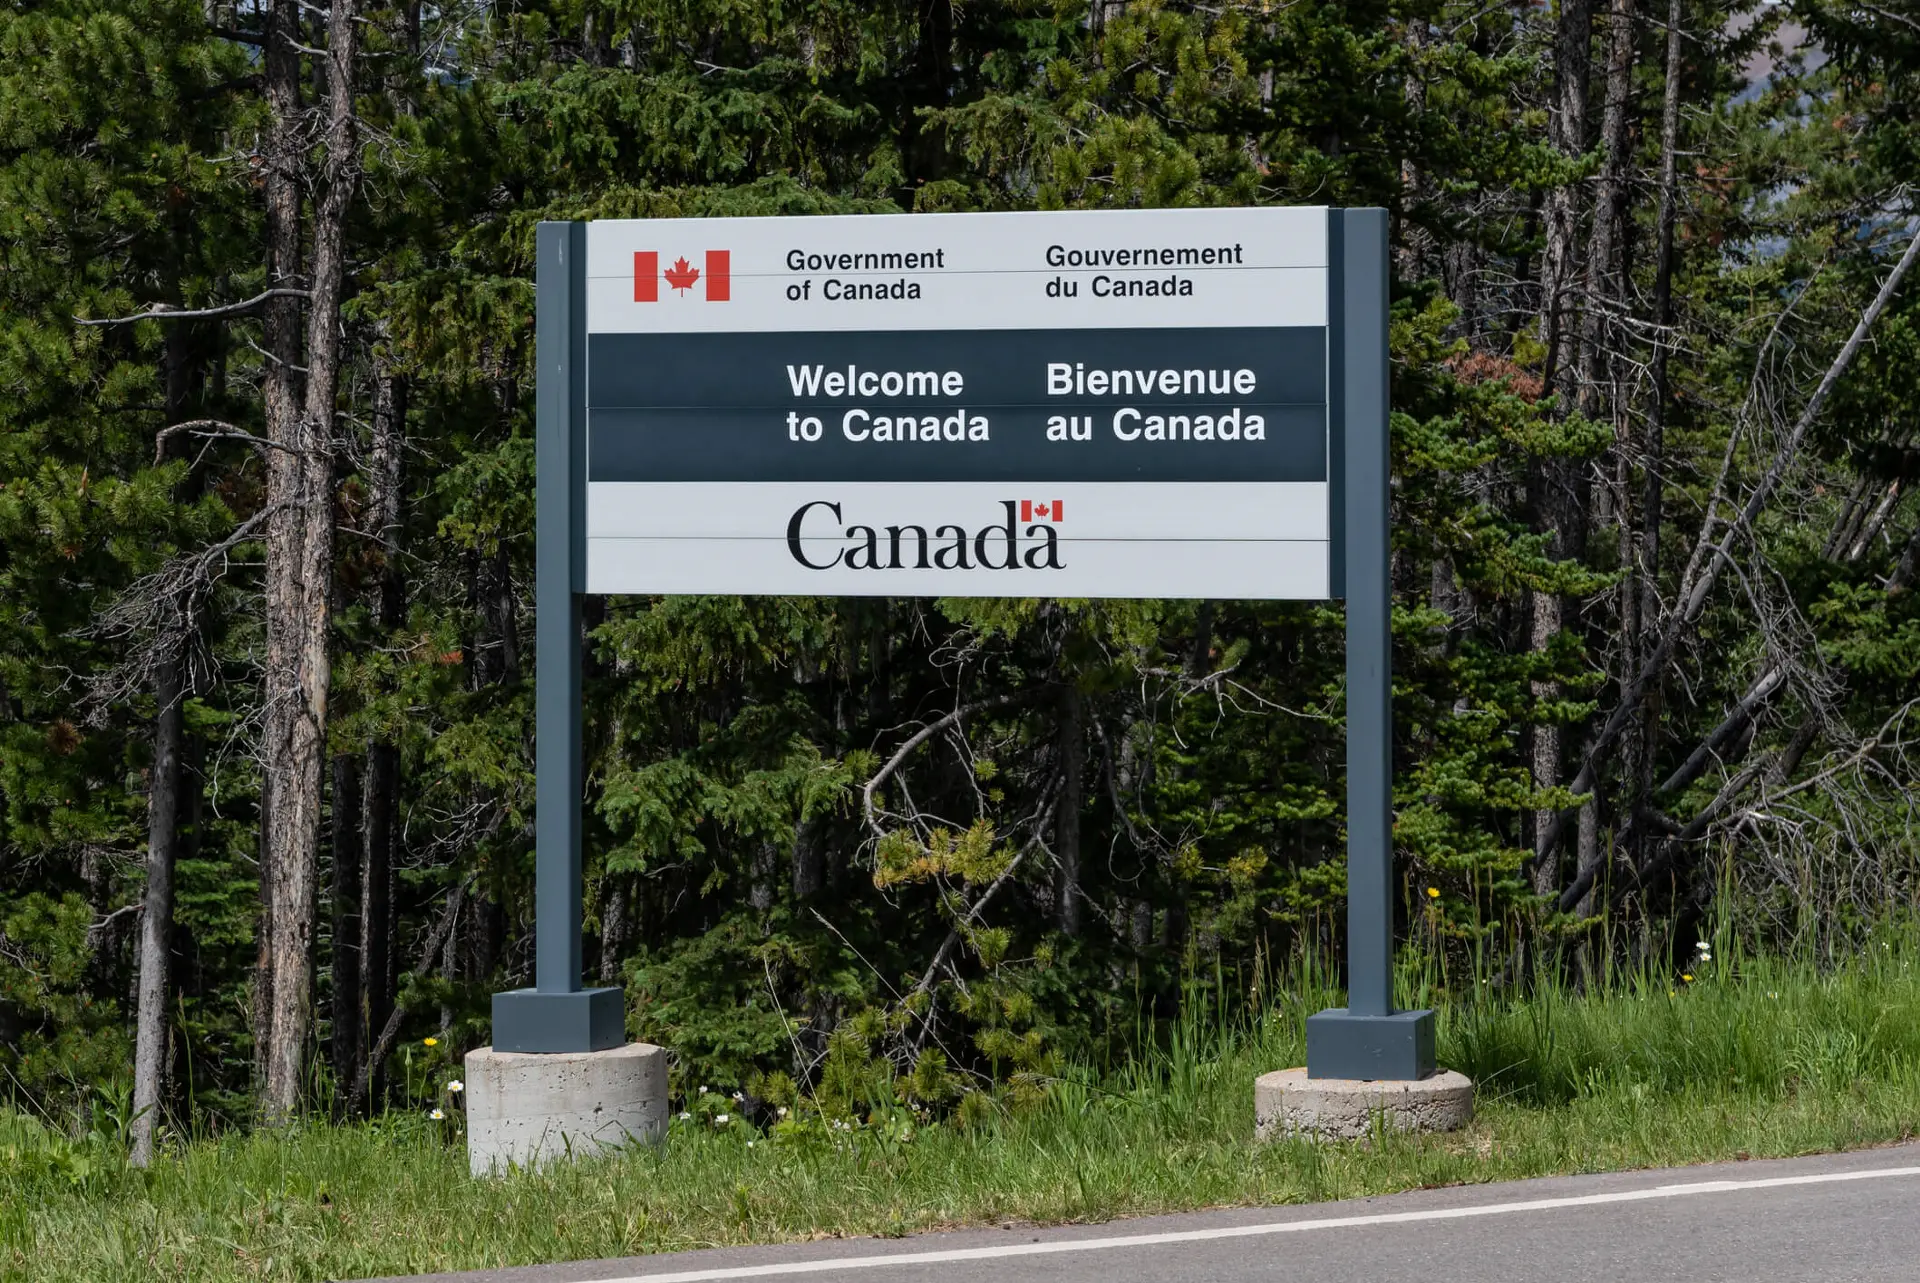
266	536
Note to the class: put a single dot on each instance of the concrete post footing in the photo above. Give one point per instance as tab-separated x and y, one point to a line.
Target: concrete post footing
529	1108
1287	1103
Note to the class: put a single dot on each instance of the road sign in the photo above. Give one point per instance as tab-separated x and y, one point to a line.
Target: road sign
1082	404
1152	403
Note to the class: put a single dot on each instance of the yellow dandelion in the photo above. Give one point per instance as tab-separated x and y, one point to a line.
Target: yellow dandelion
1687	976
1433	893
430	1042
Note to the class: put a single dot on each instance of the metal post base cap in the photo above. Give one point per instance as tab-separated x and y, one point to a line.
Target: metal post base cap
1398	1046
537	1021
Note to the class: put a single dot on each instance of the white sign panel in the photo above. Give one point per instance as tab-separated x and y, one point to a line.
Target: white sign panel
1084	404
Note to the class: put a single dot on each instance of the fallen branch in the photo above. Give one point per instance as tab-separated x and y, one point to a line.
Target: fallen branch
1709	748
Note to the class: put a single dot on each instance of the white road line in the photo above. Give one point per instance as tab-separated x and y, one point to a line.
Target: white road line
1251	1231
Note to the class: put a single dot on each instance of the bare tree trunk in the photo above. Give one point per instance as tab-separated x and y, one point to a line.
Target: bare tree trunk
263	937
1646	560
167	786
280	322
1545	748
1416	242
376	897
809	859
1591	854
156	921
383	755
1071	899
300	540
765	868
614	915
348	999
1606	250
1567	132
1600	331
1550	482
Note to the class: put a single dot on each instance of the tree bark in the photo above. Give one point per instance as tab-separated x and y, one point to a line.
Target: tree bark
1545	748
166	818
1071	899
1415	241
300	541
1646	560
809	859
348	868
263	937
383	754
614	917
1549	481
1567	133
156	921
1598	394
376	956
766	867
1606	249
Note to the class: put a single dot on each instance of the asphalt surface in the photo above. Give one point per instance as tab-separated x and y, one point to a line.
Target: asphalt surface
1828	1219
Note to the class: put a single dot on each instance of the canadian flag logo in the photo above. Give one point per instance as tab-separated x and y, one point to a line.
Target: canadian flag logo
1031	510
714	276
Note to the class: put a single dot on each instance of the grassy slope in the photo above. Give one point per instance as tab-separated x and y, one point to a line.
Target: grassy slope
1776	1062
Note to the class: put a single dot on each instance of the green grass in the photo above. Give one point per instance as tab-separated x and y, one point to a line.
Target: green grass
1775	1060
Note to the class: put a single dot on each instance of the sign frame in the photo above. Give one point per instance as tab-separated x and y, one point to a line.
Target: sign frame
1368	1039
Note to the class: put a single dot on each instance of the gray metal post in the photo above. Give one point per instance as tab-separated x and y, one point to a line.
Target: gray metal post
557	1014
1369	626
1366	1039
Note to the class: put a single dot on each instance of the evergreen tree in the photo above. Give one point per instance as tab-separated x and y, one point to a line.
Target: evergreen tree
265	629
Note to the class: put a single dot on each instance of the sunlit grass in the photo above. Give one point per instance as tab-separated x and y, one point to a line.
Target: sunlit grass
1753	1057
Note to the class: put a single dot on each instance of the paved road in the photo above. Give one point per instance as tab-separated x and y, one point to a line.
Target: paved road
1832	1219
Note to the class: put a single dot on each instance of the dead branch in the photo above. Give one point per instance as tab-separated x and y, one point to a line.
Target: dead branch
165	312
1866	749
1709	558
159	609
1743	712
925	733
217	429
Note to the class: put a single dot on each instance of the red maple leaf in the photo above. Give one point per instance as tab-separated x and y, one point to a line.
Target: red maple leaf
682	274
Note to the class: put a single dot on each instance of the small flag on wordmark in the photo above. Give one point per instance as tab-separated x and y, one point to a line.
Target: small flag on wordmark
1031	511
